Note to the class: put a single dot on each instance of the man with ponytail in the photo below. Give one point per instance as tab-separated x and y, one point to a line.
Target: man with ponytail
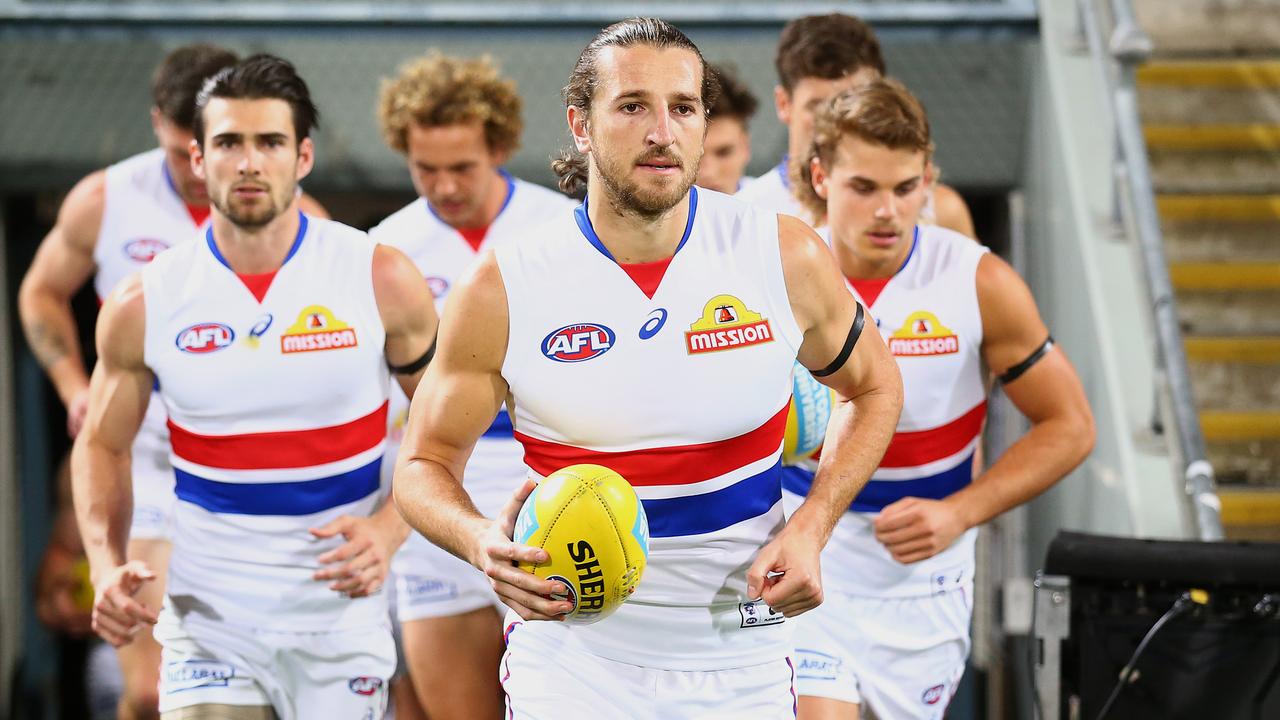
652	330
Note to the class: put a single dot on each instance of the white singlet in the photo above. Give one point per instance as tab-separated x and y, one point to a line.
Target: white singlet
142	216
892	635
277	417
684	393
431	582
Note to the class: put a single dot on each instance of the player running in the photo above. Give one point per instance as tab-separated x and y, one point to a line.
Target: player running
272	337
894	631
457	122
819	56
653	331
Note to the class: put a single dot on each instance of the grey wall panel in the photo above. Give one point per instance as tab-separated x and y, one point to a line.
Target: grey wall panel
74	101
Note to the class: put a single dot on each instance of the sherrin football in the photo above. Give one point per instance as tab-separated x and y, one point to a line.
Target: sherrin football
594	530
811	406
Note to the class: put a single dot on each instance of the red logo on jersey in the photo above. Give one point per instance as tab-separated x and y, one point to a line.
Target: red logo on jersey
726	323
144	250
923	334
575	343
317	329
205	338
933	695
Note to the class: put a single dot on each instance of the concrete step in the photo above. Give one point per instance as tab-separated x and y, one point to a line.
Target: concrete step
1221	240
1215	172
1254	349
1232	312
1252	463
1250	513
1210	26
1238	386
1222	92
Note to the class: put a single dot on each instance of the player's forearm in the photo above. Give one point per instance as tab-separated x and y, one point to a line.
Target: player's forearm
390	520
103	493
1033	464
433	502
857	435
51	333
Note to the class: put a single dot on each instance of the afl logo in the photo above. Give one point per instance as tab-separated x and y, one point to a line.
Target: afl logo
144	250
439	286
932	695
575	343
205	338
365	685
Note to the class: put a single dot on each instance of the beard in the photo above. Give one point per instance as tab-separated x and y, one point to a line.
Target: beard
252	216
632	198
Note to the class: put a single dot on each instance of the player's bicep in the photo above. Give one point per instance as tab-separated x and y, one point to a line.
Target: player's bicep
1011	326
120	386
463	388
408	315
64	260
843	350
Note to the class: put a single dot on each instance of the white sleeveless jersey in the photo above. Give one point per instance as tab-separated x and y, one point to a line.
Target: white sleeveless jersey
142	216
772	191
277	417
929	317
685	395
442	255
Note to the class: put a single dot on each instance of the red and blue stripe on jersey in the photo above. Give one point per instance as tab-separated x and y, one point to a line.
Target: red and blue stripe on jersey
301	451
688	466
951	446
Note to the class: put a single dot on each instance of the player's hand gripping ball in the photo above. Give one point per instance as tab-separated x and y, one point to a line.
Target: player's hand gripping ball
596	535
811	405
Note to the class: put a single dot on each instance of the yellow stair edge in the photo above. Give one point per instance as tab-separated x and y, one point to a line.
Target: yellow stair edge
1242	349
1225	275
1200	73
1249	507
1230	425
1219	207
1258	136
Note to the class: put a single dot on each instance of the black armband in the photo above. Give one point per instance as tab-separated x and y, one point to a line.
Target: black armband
416	365
1016	371
855	331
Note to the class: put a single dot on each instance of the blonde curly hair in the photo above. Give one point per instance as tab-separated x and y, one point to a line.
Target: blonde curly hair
437	90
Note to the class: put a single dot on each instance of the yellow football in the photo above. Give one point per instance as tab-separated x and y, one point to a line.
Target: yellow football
593	527
811	405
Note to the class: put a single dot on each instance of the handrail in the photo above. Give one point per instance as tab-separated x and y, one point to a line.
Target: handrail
1129	47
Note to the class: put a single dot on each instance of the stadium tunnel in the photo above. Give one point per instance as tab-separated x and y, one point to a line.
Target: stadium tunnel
1033	108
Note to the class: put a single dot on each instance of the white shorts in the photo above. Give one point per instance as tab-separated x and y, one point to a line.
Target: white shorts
902	657
431	582
342	675
153	481
546	680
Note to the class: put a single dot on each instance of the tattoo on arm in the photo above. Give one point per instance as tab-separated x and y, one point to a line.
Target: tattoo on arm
48	346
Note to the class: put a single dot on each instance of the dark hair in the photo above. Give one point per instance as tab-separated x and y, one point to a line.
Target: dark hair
827	47
571	167
733	98
883	112
261	77
181	75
